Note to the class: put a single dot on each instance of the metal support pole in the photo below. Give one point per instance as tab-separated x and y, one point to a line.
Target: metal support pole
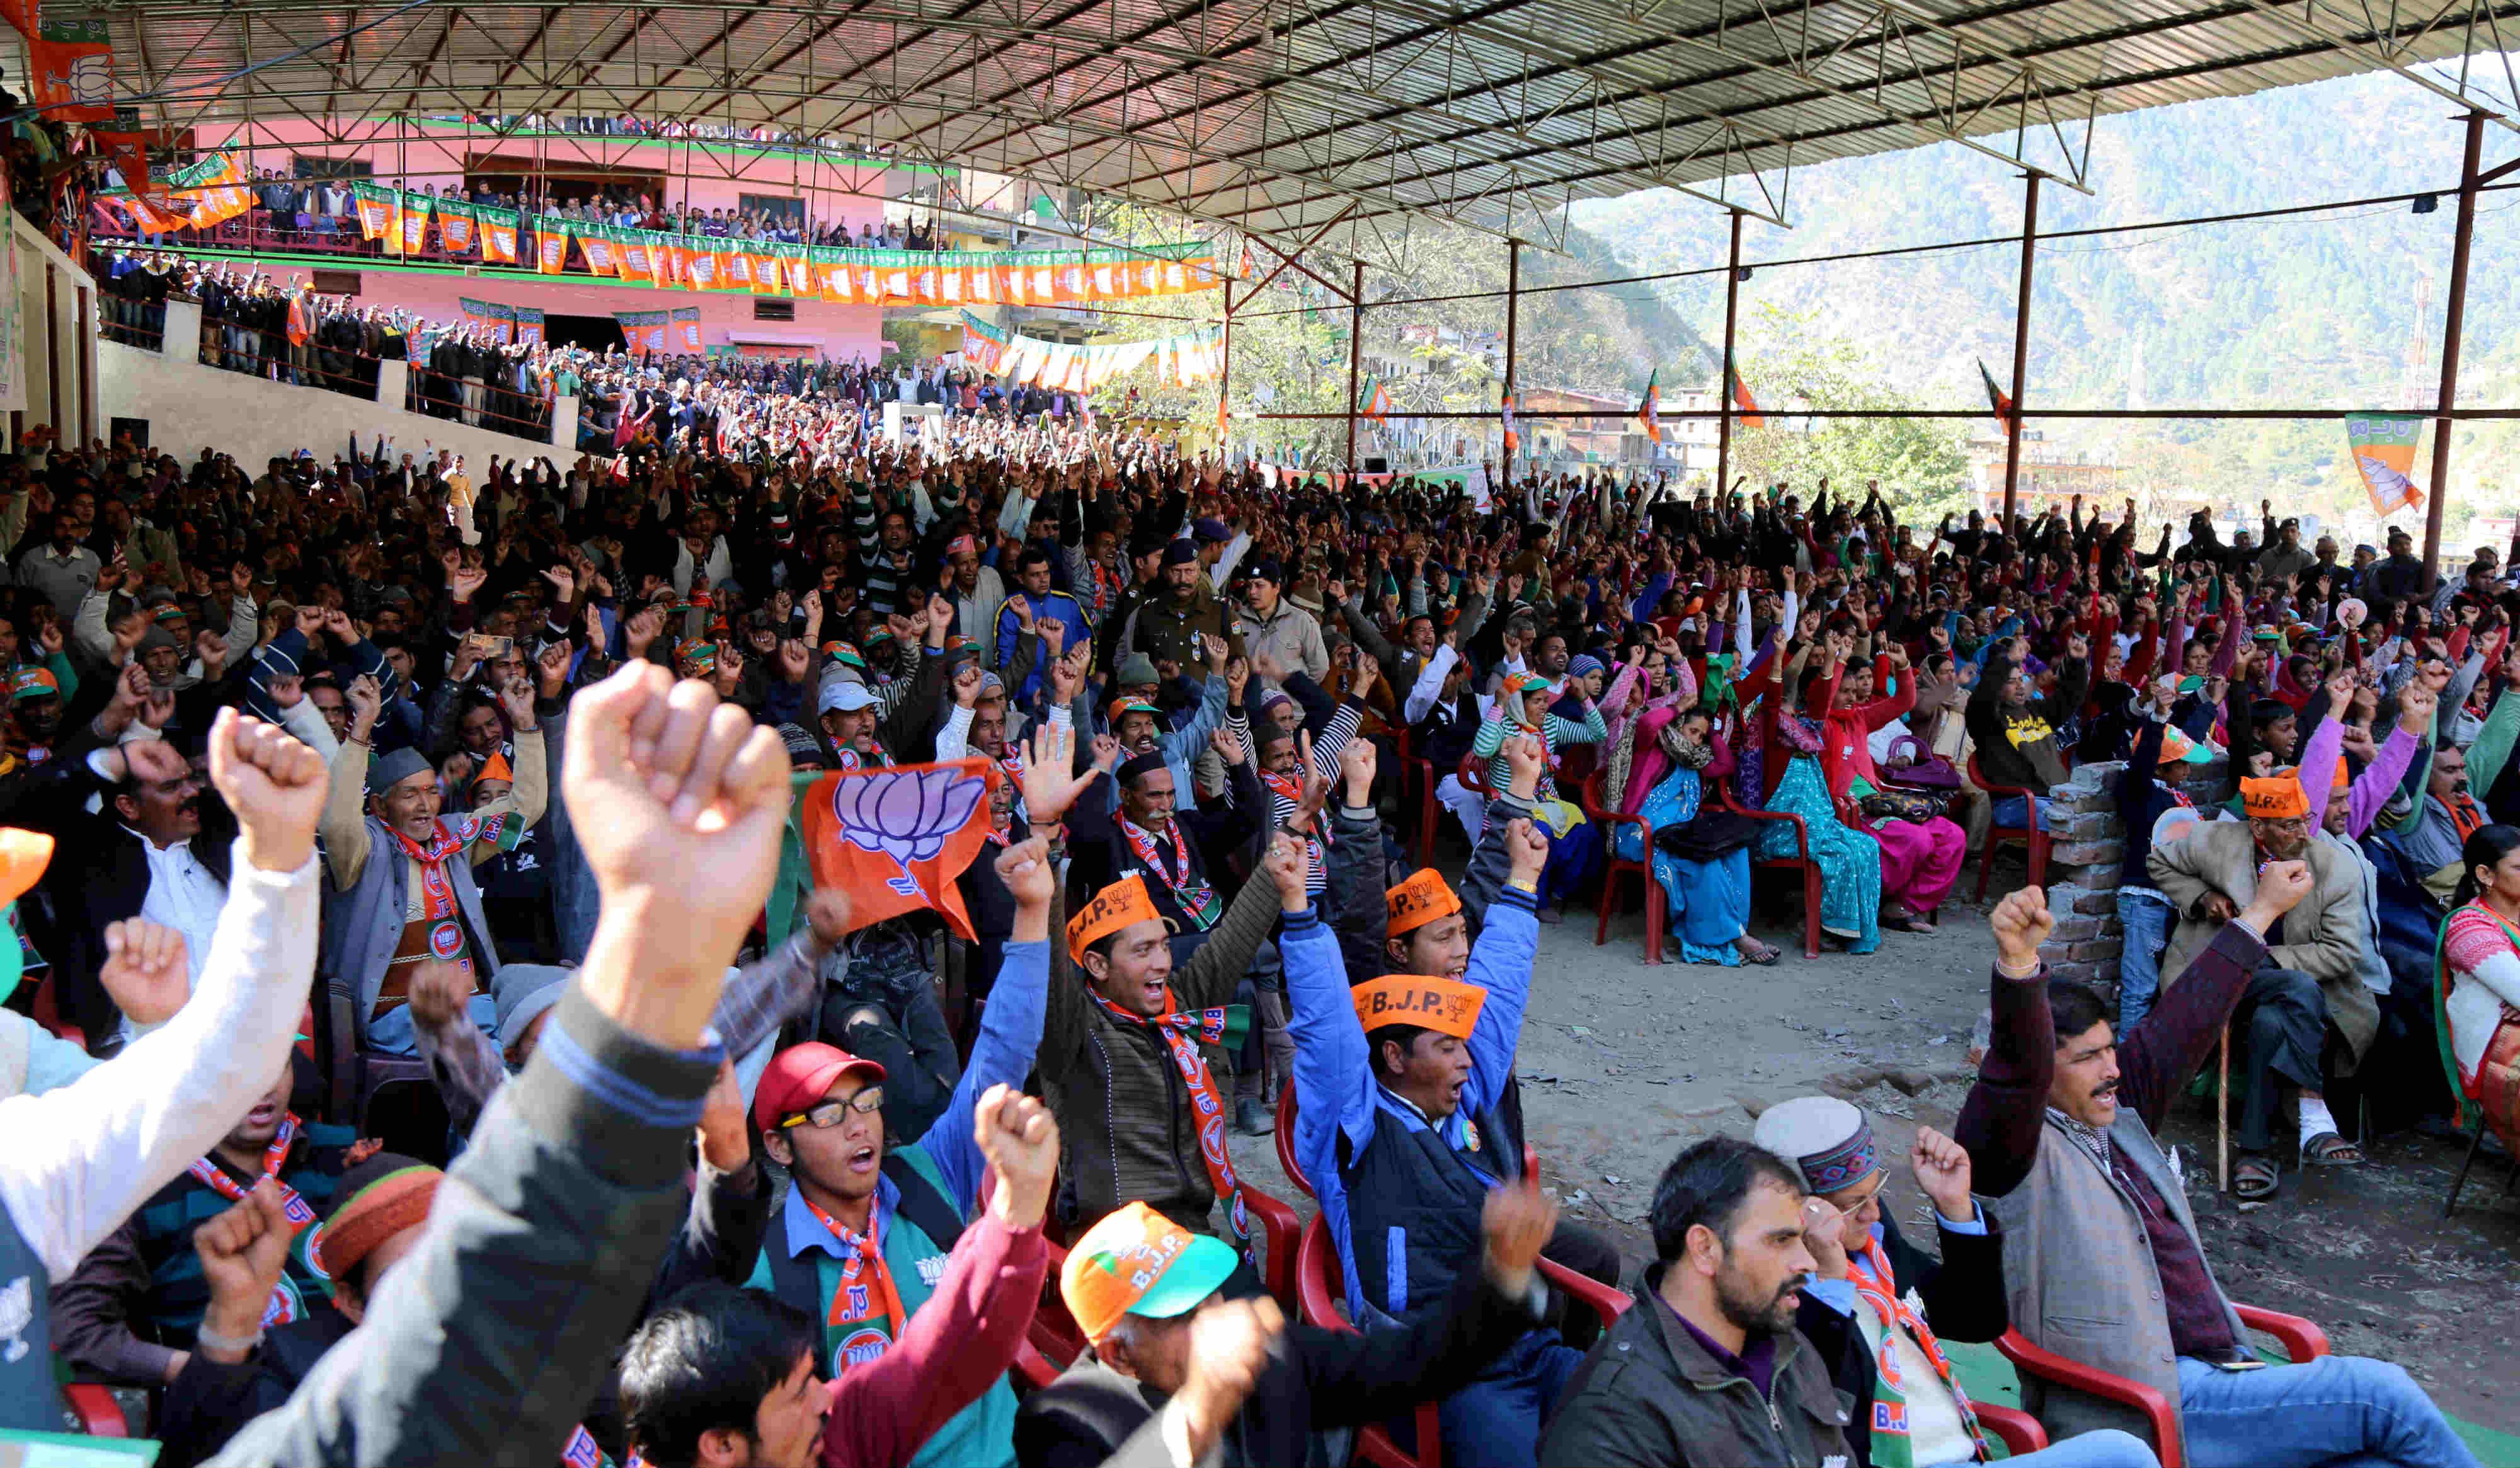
2020	347
2454	321
1724	388
53	352
1225	368
1355	361
1512	298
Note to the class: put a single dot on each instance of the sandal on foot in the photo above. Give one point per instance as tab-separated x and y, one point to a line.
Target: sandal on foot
2254	1178
1765	954
2330	1150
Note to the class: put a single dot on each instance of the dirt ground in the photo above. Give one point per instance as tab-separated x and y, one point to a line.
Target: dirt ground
1624	1064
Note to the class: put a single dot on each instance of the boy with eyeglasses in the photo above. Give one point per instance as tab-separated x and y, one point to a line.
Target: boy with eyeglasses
863	1237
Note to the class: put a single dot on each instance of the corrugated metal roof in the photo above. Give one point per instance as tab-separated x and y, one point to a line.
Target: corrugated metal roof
1332	117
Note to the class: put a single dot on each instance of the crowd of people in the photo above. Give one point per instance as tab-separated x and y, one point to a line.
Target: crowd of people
322	211
483	785
479	373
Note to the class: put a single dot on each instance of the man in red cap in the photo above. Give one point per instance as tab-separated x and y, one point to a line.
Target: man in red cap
862	1240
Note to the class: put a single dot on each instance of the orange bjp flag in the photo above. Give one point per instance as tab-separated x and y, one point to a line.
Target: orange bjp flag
895	839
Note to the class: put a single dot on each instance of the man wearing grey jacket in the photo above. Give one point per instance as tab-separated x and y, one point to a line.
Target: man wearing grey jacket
2103	1262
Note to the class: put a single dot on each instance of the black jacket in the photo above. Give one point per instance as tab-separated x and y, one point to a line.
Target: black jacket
1964	1296
1650	1393
1317	1379
99	877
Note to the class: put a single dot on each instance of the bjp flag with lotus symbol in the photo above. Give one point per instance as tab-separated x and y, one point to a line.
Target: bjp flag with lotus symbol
895	839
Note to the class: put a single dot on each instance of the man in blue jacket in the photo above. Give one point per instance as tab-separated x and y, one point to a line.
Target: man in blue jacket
1397	1083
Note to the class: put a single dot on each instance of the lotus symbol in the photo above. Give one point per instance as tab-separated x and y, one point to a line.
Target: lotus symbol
906	815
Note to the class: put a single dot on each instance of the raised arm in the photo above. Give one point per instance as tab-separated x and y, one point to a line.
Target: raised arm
84	1156
1011	1028
2000	1120
546	1235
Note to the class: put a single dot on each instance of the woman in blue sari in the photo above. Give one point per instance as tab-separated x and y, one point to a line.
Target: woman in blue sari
1709	892
1850	860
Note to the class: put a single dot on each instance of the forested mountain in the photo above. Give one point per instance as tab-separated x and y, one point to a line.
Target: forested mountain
2341	308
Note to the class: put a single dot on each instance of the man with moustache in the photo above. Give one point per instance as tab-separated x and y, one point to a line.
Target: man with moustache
2306	982
2102	1260
143	854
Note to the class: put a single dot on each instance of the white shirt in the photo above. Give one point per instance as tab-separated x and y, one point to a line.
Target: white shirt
185	895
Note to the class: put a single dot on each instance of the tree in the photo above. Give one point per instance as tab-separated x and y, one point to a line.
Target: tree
1921	462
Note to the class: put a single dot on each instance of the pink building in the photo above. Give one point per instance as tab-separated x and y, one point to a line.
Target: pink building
459	157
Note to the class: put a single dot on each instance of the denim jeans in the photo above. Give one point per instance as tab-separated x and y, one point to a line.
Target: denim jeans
391	1034
2147	920
2338	1409
2105	1448
1495	1421
2008	812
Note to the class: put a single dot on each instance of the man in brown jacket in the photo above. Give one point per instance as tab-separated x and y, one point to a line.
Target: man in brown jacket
1708	1369
2306	982
1132	1060
2102	1264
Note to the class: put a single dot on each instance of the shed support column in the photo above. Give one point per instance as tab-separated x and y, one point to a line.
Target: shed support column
1513	299
1724	388
1355	361
2454	321
2020	346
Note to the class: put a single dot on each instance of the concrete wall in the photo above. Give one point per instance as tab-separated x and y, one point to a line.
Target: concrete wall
189	407
56	313
843	333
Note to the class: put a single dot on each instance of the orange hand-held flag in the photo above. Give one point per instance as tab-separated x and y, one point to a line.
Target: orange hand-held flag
897	837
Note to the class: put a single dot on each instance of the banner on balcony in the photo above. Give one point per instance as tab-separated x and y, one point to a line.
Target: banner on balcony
72	65
455	225
1186	358
644	331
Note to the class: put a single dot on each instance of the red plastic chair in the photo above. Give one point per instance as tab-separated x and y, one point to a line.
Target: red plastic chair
1473	774
2016	1430
2034	836
1801	861
99	1414
1053	1342
1320	1287
2302	1342
1420	774
45	1008
1657	910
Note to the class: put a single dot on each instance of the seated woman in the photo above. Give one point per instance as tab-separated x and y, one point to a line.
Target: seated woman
1522	708
1701	851
1850	860
2478	970
1922	850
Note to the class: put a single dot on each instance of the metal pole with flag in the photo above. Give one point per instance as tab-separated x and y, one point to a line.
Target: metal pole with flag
1650	412
1746	409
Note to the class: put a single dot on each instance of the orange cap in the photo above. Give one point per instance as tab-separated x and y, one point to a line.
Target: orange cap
1116	906
1418	901
1447	1007
24	856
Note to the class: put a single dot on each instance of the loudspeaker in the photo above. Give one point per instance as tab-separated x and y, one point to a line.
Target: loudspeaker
1377	465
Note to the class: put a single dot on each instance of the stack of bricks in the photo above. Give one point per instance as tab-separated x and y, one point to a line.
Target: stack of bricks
2086	863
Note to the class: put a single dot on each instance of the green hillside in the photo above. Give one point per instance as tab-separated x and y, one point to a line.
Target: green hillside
2336	309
